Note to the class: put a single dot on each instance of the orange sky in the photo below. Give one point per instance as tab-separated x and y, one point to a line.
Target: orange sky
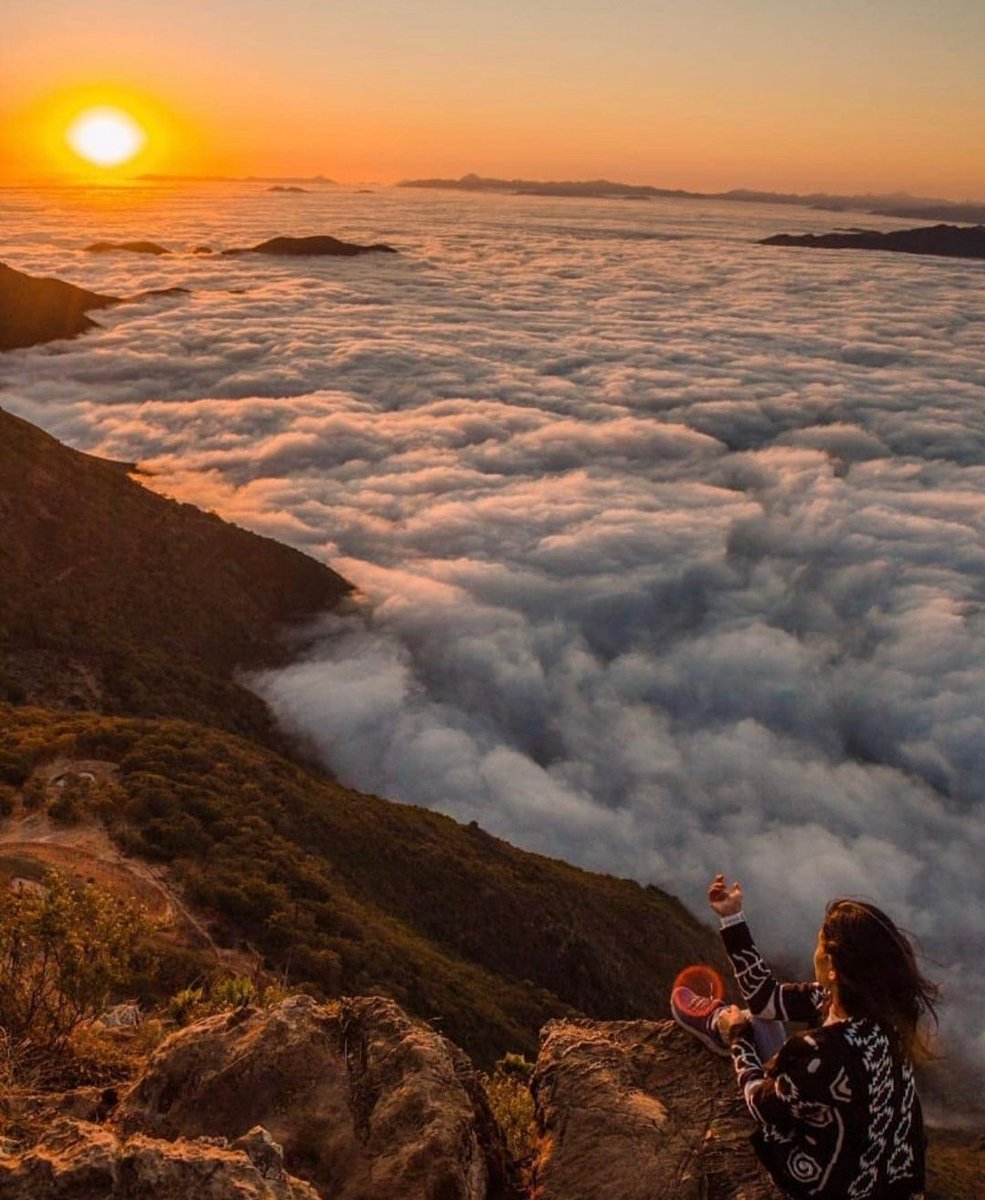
853	95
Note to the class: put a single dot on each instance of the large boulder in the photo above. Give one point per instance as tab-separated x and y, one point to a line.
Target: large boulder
367	1104
79	1161
638	1110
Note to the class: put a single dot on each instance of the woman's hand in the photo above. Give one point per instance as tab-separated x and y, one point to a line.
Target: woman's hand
726	901
731	1021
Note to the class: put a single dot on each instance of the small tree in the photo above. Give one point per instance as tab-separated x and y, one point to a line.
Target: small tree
64	950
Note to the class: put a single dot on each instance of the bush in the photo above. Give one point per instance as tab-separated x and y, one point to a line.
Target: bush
8	800
34	794
513	1106
65	950
72	802
234	991
185	1006
14	768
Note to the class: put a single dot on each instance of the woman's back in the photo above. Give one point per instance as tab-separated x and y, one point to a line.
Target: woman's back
837	1114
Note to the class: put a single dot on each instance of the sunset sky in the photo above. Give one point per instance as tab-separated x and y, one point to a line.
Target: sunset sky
846	95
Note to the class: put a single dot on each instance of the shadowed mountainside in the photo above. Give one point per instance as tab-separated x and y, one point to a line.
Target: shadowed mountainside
34	310
951	241
117	599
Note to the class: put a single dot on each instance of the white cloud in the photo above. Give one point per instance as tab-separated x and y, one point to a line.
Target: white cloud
672	549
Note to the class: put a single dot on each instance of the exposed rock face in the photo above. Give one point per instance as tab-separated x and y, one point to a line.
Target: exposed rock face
34	310
952	241
132	247
640	1111
79	1161
367	1104
312	245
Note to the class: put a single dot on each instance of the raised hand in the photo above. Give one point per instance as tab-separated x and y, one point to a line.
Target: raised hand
725	900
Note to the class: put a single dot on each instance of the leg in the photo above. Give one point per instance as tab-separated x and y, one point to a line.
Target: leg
769	1035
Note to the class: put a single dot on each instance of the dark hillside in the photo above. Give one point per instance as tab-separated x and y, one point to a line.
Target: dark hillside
40	310
117	599
358	895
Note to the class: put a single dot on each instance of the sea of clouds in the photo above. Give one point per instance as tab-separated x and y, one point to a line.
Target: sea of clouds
671	547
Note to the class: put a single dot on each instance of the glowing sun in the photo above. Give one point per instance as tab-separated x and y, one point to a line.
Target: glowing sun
105	136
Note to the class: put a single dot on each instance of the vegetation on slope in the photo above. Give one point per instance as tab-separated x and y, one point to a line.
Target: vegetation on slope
120	600
356	895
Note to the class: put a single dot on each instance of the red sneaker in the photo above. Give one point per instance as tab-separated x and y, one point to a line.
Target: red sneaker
699	1016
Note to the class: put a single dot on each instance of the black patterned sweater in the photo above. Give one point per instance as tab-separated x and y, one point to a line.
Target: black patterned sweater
837	1116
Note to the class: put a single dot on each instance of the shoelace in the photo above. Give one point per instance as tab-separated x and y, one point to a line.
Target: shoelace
701	1006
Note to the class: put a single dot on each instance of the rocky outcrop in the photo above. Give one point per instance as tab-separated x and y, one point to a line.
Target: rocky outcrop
131	247
952	241
322	245
34	310
366	1103
640	1111
81	1161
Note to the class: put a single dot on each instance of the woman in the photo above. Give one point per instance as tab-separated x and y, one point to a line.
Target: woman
836	1111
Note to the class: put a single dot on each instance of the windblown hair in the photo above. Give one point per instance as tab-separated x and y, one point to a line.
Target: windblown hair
878	976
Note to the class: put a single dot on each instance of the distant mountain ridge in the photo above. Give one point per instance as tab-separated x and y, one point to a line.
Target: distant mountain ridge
897	204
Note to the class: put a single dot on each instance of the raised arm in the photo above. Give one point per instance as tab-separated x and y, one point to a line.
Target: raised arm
765	996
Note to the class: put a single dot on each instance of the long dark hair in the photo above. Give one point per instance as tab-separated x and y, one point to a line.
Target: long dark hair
877	973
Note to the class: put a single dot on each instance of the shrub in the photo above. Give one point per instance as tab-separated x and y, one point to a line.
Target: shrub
186	1005
8	799
101	1056
272	995
72	801
34	794
14	768
512	1104
65	949
234	991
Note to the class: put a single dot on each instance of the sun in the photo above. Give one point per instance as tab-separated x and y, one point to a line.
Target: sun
105	136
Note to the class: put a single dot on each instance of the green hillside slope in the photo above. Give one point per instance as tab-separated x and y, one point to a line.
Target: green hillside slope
355	894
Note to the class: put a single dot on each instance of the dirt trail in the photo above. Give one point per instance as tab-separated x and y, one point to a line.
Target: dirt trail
85	851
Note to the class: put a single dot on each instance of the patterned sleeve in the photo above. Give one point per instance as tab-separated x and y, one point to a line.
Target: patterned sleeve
803	1106
802	1087
765	996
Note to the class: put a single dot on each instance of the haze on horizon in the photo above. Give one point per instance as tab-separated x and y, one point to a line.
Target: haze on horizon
850	96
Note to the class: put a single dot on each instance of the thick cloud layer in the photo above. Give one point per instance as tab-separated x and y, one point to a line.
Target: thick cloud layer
672	547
